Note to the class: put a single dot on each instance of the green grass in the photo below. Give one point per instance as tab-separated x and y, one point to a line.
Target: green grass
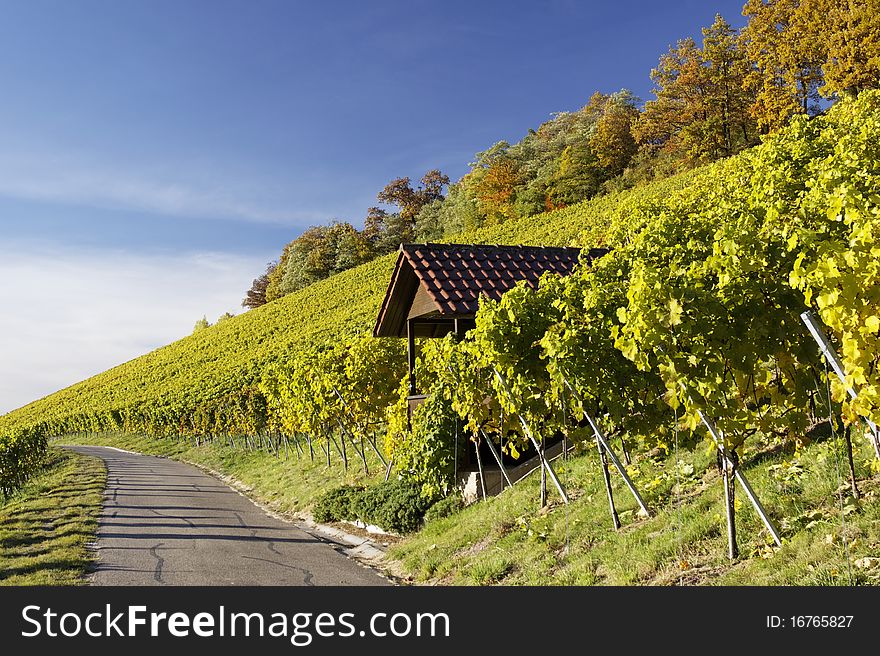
287	484
508	540
46	526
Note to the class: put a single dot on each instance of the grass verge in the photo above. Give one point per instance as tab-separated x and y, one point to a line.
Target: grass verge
829	538
46	527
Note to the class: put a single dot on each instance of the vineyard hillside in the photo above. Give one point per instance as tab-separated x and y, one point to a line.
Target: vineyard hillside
232	355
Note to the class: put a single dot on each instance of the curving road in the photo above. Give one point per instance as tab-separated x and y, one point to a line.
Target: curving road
167	523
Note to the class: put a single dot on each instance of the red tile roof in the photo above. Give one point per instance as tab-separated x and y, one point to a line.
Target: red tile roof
456	275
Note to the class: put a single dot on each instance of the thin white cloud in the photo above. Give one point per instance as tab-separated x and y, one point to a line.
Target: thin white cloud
68	316
76	181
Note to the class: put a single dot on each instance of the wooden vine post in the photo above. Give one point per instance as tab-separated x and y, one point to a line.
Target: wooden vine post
731	473
360	428
603	457
497	456
543	476
528	432
345	433
476	442
606	453
849	458
729	482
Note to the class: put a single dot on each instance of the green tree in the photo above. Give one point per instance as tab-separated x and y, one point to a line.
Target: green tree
578	176
201	324
398	230
311	259
429	223
459	212
553	162
347	246
317	253
303	261
276	276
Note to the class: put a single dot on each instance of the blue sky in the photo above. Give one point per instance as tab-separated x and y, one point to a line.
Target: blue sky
195	138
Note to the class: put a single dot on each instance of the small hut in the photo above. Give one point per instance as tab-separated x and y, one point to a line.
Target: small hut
436	289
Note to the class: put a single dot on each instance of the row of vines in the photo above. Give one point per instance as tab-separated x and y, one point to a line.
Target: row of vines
696	311
208	385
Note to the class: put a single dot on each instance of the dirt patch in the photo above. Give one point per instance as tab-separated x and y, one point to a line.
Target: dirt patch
474	549
385	539
700	575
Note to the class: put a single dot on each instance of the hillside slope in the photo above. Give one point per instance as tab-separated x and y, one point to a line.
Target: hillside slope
829	537
231	356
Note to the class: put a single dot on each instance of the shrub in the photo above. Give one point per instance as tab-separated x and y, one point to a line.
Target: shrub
397	506
445	507
425	451
394	505
337	504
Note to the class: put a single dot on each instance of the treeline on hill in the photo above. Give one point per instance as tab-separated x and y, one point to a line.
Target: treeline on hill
712	99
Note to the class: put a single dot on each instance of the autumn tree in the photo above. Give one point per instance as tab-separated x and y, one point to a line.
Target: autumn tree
256	295
389	230
850	30
784	41
726	69
432	186
385	231
409	201
701	109
399	192
321	251
495	177
678	103
374	224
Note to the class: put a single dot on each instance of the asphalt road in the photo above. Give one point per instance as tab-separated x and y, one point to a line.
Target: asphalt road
167	523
